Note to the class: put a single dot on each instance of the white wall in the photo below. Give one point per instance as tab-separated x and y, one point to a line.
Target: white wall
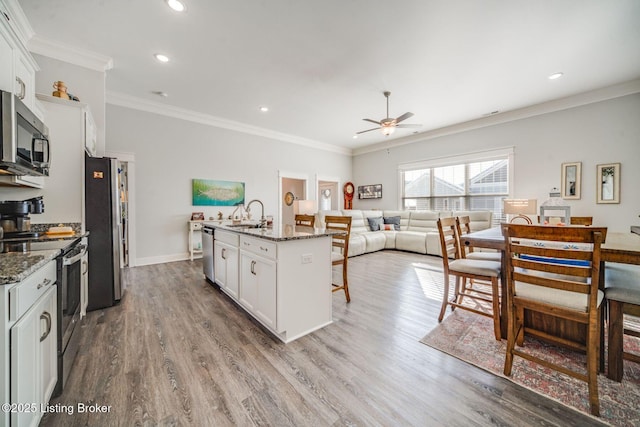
170	152
602	132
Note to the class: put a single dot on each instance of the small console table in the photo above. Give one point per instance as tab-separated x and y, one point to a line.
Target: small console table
195	243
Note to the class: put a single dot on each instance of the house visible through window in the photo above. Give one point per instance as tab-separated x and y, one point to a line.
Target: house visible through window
464	183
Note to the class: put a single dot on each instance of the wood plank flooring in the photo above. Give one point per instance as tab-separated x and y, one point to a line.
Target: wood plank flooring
177	351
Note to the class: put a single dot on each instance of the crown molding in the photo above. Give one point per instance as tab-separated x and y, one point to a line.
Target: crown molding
597	95
67	53
123	100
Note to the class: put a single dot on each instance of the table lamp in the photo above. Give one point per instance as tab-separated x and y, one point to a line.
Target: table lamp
520	208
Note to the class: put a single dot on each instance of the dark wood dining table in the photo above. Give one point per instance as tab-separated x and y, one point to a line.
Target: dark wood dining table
618	247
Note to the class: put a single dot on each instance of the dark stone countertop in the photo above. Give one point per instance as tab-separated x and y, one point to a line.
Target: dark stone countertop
277	234
17	266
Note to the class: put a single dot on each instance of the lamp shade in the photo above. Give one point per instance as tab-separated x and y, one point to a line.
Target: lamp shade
304	207
520	206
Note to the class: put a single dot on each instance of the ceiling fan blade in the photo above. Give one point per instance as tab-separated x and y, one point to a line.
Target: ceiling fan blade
372	121
405	116
407	125
368	130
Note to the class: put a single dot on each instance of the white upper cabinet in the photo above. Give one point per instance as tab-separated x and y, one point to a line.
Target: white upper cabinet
17	66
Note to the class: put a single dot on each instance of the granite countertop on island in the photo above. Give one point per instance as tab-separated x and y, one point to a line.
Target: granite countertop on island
17	266
276	233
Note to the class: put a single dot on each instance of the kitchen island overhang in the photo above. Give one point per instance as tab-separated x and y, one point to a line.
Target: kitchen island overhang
281	276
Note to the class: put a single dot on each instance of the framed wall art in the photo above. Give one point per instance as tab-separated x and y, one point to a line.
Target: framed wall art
608	183
571	180
370	191
207	192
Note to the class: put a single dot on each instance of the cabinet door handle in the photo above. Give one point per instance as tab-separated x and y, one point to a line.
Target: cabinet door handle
45	282
47	318
23	88
253	269
85	267
224	253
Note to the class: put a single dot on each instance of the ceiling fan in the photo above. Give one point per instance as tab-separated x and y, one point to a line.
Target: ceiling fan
389	125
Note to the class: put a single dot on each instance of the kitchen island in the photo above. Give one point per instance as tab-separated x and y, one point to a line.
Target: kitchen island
281	276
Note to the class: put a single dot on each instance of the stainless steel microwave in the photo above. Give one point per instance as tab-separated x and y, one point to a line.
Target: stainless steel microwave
25	140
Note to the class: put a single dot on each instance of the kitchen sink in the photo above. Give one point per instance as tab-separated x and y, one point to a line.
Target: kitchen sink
244	225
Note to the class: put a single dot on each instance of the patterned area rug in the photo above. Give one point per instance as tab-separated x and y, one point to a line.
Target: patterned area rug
469	337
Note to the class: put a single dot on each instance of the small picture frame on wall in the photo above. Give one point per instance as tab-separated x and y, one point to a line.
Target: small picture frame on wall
608	183
571	180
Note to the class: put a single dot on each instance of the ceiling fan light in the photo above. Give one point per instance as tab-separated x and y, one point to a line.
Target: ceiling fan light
388	130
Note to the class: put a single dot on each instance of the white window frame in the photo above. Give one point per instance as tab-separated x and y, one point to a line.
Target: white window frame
466	158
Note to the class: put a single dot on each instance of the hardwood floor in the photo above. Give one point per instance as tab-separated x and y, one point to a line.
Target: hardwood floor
177	351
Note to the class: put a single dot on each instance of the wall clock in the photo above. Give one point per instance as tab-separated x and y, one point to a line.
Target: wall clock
348	195
288	198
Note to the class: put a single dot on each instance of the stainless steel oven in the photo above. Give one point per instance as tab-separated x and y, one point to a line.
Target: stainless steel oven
69	278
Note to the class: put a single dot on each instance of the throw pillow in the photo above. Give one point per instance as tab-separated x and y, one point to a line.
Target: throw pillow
387	227
395	220
375	223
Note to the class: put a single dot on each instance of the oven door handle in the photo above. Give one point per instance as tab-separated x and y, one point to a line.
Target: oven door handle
75	258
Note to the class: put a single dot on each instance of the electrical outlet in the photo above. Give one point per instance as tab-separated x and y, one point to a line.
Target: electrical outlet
307	258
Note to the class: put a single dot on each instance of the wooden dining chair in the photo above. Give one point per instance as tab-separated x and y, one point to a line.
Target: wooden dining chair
622	291
463	224
341	243
473	269
305	220
554	271
581	220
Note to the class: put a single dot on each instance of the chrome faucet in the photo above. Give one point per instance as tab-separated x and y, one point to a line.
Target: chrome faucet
263	220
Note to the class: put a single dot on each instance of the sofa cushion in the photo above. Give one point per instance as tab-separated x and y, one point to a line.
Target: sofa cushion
374	241
423	221
375	222
357	244
434	246
480	220
358	223
414	241
395	220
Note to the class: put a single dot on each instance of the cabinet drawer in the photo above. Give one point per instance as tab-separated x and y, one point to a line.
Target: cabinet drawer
226	237
25	294
258	246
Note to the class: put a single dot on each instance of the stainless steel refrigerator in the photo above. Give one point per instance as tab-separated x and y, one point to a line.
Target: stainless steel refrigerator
104	224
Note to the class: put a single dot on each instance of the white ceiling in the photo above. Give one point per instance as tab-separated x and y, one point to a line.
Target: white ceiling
321	66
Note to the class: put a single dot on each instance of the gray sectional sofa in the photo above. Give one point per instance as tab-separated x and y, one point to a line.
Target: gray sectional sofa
418	230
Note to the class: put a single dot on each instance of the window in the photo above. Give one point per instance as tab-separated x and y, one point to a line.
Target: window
472	182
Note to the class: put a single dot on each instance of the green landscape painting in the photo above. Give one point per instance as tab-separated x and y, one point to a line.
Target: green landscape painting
207	192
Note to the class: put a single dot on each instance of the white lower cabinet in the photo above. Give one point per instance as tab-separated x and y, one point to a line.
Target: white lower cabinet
258	289
225	266
34	360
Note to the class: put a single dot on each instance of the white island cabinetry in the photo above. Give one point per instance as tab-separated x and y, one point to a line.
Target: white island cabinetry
283	276
225	262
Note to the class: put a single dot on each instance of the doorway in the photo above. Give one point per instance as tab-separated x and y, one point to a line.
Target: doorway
292	187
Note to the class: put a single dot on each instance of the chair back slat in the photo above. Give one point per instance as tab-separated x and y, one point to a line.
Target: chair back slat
305	220
555	283
583	254
539	264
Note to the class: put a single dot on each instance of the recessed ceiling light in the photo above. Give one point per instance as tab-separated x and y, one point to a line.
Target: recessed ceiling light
176	5
160	93
264	109
160	57
555	76
355	136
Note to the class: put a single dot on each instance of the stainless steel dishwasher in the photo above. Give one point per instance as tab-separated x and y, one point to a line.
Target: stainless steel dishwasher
207	253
